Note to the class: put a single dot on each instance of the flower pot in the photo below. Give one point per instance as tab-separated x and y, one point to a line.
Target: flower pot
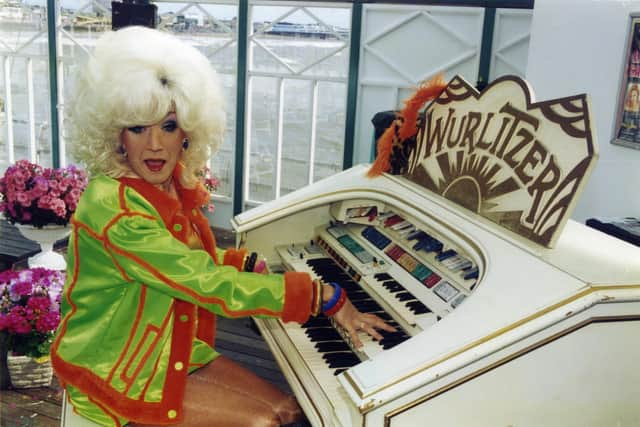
46	237
27	372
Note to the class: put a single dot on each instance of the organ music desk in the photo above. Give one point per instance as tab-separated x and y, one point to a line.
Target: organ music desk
508	312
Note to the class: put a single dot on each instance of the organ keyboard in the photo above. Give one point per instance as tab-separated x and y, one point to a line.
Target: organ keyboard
492	329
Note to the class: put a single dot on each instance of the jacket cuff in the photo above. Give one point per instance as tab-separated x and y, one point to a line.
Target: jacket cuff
234	257
298	294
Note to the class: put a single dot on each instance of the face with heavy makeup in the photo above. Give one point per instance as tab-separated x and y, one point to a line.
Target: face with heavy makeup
153	151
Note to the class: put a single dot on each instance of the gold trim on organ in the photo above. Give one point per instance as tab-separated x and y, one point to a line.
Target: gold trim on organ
488	368
489	337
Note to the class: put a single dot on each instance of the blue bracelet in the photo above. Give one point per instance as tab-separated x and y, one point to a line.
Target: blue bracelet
334	299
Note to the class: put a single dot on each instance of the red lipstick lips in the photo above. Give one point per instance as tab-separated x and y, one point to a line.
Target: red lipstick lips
154	165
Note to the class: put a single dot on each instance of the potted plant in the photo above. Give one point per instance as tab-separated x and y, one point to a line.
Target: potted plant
40	202
210	183
29	316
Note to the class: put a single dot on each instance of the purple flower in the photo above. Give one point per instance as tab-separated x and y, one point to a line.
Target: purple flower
38	304
48	322
19	289
40	183
30	308
18	322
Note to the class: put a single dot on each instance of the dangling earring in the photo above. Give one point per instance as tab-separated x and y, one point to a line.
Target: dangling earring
185	143
122	151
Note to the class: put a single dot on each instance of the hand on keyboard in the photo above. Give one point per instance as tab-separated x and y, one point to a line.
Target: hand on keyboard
354	321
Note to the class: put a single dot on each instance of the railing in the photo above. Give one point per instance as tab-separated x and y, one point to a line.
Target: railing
300	78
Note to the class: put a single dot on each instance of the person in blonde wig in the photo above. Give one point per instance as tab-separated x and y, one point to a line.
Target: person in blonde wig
145	280
137	76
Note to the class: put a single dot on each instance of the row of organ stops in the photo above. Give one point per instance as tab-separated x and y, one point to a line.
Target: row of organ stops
424	242
336	351
396	289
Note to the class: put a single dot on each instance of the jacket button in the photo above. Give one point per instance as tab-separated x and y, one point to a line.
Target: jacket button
172	414
184	317
178	366
177	227
194	212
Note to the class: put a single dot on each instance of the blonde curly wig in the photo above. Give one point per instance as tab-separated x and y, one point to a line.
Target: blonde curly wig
136	76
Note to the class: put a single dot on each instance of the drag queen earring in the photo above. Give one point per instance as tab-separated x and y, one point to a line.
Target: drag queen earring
122	151
185	144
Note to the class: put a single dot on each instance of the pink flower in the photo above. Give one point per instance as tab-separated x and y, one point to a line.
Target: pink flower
19	289
31	194
59	207
30	308
45	202
18	322
22	198
41	183
38	304
48	322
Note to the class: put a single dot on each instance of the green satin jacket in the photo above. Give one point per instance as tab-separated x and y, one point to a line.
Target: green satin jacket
139	305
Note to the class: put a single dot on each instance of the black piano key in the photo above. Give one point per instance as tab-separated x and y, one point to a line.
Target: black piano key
383	276
323	334
333	276
358	296
417	307
367	306
331	346
404	296
393	335
314	322
393	286
393	341
341	360
334	356
349	286
339	371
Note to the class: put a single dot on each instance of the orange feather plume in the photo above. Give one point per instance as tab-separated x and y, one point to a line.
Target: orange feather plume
405	124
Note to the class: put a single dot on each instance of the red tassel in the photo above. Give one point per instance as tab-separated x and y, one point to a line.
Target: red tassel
406	125
385	142
426	92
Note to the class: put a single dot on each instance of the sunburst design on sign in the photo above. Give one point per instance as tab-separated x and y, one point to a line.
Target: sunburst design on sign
518	163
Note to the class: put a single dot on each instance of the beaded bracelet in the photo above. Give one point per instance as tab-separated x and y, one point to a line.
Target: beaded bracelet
260	266
336	308
250	262
316	297
336	302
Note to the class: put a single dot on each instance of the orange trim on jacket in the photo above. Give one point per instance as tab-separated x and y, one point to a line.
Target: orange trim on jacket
296	306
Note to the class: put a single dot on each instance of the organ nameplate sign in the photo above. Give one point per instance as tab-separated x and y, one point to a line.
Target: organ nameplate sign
517	162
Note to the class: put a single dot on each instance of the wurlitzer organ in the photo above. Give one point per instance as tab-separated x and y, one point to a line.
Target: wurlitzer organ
508	312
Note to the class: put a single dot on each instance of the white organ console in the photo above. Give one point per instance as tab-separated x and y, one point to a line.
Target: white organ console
507	314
